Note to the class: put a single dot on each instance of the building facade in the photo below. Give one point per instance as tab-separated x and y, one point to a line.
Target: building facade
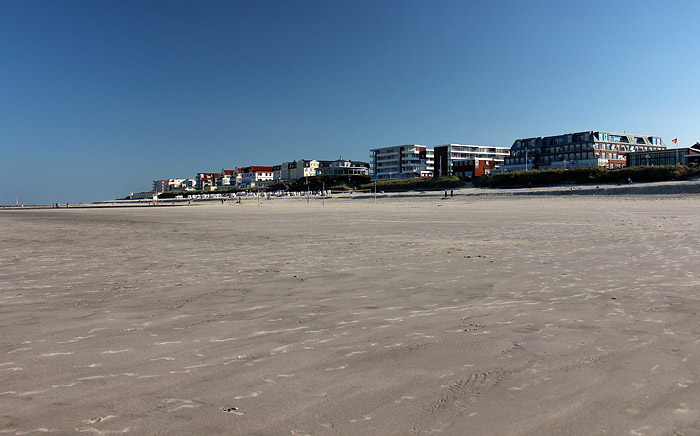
694	157
277	173
401	162
669	156
255	176
578	150
295	170
165	185
160	186
342	167
473	167
227	179
207	181
215	181
447	156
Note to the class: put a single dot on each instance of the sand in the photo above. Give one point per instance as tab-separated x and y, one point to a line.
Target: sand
542	315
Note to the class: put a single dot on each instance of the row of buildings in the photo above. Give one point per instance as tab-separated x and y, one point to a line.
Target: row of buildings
260	175
408	161
589	149
567	151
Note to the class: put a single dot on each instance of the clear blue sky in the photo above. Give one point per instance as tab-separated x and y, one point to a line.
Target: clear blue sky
98	98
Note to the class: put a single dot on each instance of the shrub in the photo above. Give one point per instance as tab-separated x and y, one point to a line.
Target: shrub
415	184
586	176
331	182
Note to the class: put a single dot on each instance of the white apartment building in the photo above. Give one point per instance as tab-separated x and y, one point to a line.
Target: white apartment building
430	161
446	156
207	181
165	185
401	162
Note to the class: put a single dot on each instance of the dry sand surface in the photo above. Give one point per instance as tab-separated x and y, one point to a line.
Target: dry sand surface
468	316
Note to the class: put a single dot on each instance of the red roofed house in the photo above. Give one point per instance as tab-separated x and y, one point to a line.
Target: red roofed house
213	181
255	176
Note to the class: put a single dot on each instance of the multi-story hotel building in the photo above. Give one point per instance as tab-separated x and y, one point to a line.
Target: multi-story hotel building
577	150
161	185
401	162
451	155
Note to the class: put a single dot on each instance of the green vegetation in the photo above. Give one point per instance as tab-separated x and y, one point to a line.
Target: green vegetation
583	176
315	183
417	184
330	182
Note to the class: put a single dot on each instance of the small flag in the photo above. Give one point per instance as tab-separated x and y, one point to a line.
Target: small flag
675	141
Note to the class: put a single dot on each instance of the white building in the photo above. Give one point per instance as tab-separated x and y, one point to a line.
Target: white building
446	156
207	181
401	162
255	176
342	167
165	185
226	179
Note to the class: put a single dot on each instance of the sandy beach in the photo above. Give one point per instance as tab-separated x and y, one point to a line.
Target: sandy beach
411	315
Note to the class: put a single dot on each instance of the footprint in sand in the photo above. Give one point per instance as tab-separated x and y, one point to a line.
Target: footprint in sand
252	395
99	419
233	410
181	404
400	400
